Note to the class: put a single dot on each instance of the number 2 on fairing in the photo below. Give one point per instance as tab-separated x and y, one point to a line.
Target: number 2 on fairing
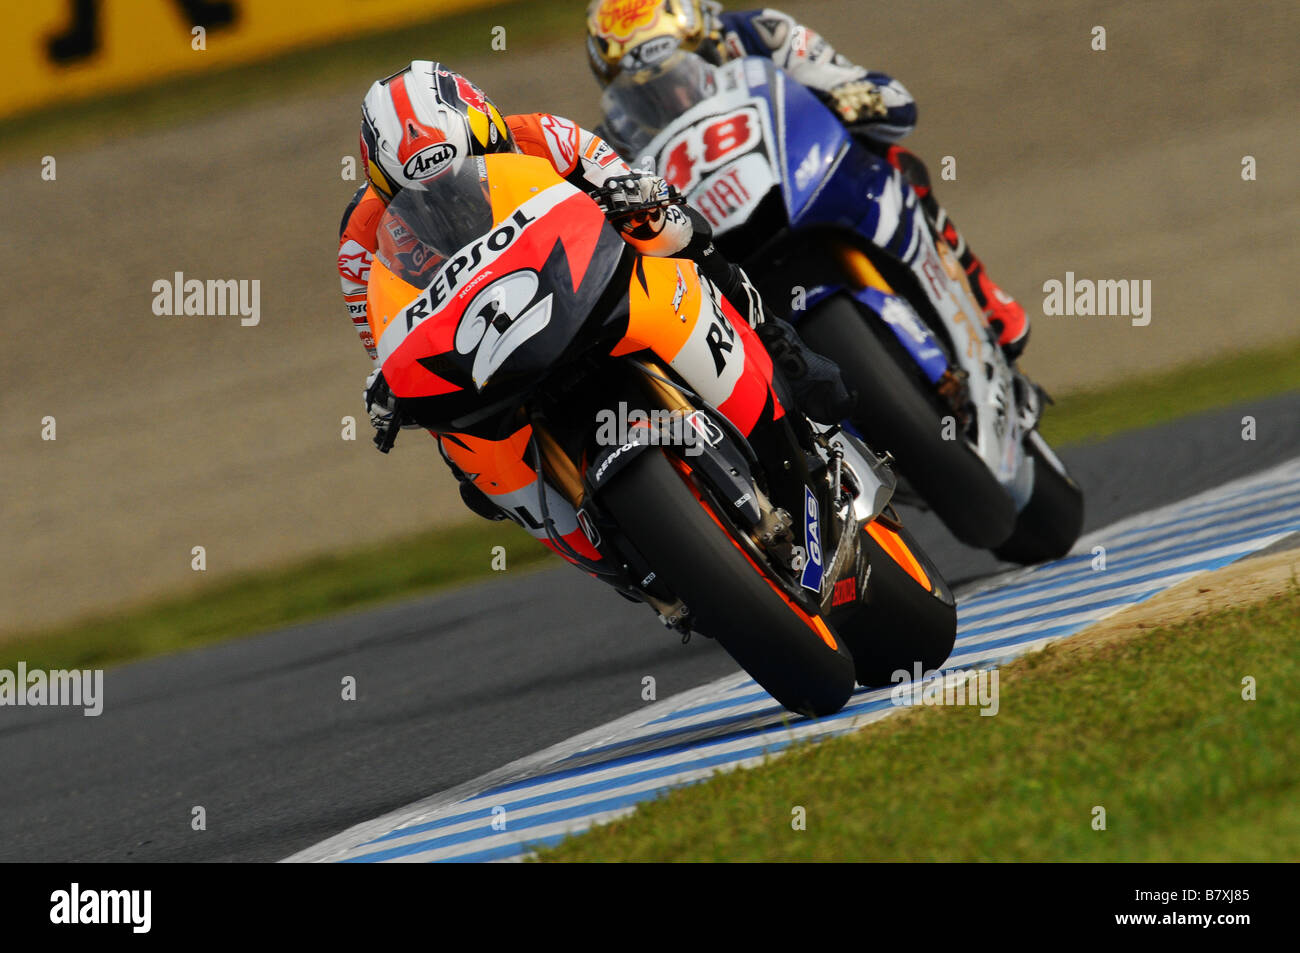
499	320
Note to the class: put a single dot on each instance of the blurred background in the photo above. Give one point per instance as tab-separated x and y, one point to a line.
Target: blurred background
228	162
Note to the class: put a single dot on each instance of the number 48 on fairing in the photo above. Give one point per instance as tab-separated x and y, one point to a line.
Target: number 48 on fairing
702	148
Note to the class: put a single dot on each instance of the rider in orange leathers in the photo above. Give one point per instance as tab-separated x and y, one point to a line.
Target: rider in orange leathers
419	122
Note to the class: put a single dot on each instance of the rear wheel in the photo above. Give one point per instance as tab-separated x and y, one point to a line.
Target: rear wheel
783	648
896	414
908	617
1052	519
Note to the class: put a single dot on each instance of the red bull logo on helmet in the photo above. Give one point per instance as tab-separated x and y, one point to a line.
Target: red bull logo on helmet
469	94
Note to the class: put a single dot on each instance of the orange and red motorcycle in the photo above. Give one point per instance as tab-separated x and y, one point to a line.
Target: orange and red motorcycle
619	408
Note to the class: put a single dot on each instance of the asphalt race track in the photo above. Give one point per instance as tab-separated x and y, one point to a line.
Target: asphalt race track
449	688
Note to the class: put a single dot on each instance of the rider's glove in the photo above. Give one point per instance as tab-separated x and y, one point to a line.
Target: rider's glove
642	206
381	403
858	101
735	287
623	195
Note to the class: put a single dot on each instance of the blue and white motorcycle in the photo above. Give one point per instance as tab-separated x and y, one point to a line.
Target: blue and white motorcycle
835	239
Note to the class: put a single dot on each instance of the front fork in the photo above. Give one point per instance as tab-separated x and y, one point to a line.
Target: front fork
794	457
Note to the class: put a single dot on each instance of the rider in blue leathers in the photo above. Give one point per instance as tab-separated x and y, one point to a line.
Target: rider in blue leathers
634	34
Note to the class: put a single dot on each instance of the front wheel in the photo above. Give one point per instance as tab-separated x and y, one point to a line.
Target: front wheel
907	618
795	656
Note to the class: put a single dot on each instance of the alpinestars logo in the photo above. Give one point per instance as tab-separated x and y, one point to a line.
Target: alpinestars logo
562	138
354	265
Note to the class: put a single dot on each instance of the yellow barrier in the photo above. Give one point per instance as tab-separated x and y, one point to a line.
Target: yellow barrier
56	50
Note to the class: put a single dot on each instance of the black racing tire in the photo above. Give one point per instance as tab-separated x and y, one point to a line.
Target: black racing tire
900	623
895	413
729	599
1051	521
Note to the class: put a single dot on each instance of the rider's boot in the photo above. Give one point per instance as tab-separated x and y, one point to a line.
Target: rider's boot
1004	313
818	386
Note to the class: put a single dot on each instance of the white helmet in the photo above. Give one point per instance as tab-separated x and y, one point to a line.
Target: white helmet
423	120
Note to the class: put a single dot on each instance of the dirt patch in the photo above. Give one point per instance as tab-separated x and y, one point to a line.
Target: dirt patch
180	432
1243	583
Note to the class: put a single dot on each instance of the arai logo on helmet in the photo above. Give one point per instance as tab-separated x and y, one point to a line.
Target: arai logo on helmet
430	161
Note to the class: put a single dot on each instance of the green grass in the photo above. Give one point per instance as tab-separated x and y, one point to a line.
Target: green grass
355	62
277	597
1092	414
1153	729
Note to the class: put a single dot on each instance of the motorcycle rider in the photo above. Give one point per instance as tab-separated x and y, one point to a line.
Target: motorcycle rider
635	34
424	106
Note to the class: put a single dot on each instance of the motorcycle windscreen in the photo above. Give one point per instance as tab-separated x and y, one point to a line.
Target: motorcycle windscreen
503	264
423	226
639	104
